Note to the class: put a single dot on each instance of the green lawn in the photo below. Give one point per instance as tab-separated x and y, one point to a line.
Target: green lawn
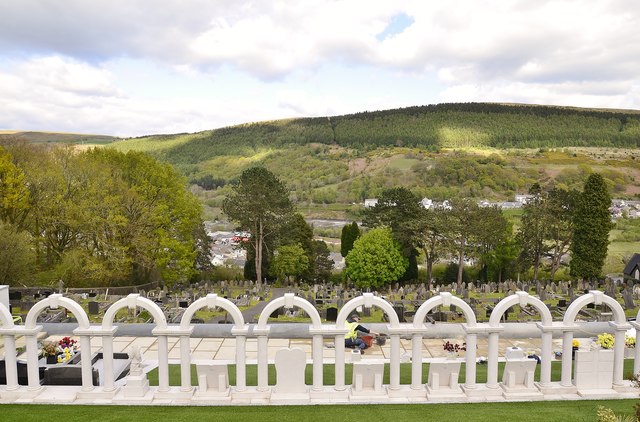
329	374
584	410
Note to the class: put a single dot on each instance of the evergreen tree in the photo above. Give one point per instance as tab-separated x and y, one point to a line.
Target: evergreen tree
350	233
591	226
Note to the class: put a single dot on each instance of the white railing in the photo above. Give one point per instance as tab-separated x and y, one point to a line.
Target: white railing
214	388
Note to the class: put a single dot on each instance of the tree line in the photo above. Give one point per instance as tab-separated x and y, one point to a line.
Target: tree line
555	223
400	230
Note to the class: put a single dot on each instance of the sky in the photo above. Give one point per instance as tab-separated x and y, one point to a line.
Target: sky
139	67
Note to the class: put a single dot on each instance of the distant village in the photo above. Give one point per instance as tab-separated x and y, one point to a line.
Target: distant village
620	208
225	250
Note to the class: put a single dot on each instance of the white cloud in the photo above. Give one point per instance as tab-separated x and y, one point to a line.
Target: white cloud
254	60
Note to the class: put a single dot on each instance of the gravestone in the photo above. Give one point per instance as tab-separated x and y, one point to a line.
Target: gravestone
400	312
332	314
628	299
543	294
94	308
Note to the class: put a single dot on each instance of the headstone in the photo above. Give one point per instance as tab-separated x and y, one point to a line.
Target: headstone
543	294
628	299
332	314
400	312
94	308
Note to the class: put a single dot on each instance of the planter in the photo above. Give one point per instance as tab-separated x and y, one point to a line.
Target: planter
573	352
51	360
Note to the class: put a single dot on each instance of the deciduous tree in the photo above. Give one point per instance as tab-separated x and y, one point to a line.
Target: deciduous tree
260	203
376	259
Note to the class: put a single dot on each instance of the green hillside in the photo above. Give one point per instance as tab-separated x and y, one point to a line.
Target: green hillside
486	151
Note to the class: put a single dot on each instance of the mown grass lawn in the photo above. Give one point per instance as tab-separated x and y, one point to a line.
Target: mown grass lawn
491	412
329	373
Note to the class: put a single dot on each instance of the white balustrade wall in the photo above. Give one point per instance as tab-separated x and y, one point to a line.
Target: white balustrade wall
320	392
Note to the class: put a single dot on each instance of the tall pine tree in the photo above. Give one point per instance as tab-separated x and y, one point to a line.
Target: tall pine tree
591	226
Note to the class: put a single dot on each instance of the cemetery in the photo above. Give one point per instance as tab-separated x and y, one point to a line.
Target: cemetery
254	344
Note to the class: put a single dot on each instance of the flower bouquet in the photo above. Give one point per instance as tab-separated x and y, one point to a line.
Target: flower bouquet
605	340
630	341
50	352
68	348
453	348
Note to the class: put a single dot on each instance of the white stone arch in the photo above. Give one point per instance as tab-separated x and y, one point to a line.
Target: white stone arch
619	325
523	299
132	301
368	300
211	301
443	299
289	300
8	332
55	301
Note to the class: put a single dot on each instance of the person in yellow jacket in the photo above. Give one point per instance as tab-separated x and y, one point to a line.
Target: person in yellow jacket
351	339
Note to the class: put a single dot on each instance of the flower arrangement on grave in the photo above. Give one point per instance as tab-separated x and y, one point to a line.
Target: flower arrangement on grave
454	347
67	347
575	343
605	340
49	349
630	341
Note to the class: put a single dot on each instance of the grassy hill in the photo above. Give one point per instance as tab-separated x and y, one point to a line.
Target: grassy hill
481	150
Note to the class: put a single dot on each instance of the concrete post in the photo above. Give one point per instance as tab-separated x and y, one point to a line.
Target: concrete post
85	350
339	343
567	350
492	364
10	362
185	363
163	364
263	368
416	362
317	362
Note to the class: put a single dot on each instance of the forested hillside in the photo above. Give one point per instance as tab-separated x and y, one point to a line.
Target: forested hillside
486	151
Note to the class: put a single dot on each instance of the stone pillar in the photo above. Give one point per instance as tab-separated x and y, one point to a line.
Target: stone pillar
241	359
618	352
416	362
107	356
339	369
545	364
470	355
163	359
263	368
32	358
185	360
85	350
567	350
10	362
394	365
492	364
317	362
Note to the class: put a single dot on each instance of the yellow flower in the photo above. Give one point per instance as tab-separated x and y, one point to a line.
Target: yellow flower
605	340
575	343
